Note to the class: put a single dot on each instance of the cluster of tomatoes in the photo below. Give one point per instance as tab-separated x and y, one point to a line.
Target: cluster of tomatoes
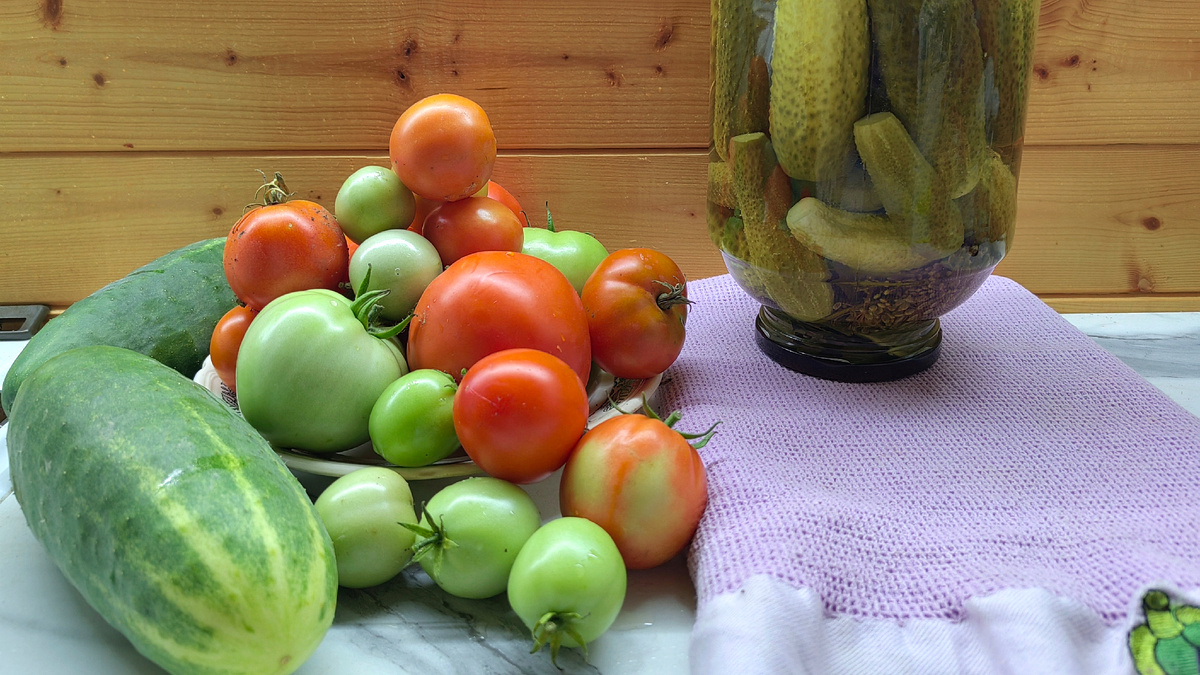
423	315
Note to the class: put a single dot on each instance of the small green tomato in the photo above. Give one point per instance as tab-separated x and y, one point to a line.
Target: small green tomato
575	254
364	513
567	584
471	532
402	262
412	423
373	200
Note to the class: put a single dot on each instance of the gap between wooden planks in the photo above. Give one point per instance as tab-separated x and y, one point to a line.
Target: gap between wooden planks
1117	223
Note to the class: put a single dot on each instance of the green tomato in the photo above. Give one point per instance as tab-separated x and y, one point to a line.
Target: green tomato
575	254
373	200
567	584
470	534
309	371
412	423
364	513
401	262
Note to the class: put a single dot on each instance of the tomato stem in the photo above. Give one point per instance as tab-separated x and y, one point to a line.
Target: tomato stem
273	191
551	628
549	219
433	539
674	295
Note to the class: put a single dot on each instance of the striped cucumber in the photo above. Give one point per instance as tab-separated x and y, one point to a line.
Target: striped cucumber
818	83
911	190
171	516
166	310
793	276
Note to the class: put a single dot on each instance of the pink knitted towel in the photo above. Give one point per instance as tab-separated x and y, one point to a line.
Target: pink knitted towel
1026	457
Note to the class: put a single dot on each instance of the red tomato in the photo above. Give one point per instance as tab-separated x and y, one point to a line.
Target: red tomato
443	147
285	247
471	225
642	482
497	192
495	300
424	208
226	341
636	304
519	412
351	247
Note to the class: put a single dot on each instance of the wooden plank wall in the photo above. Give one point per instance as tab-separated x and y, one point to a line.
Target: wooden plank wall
130	128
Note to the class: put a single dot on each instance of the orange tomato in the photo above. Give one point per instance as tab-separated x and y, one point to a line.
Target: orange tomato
284	247
424	207
443	148
497	192
495	300
226	342
471	225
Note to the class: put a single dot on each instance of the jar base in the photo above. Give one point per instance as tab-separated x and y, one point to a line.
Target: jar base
823	352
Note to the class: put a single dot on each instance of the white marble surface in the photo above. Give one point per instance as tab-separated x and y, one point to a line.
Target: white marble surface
409	626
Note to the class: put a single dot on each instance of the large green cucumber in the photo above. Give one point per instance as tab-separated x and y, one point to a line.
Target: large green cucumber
819	68
166	310
172	517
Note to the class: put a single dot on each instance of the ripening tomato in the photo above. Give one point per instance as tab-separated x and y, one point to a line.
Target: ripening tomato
495	300
519	413
226	341
497	192
642	482
424	208
471	225
284	246
636	304
442	147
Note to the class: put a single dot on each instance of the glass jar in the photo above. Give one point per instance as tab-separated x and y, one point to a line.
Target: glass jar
862	176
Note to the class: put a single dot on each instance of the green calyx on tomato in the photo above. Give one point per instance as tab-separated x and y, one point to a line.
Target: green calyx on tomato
671	420
311	368
471	533
575	254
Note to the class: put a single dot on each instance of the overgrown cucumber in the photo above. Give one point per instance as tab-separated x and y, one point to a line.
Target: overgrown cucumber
818	83
166	310
170	514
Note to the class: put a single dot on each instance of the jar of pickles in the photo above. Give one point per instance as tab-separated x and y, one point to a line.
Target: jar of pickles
862	176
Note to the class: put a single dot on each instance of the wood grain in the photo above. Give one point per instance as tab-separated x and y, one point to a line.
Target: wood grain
1108	220
82	221
1116	71
309	75
1117	223
334	76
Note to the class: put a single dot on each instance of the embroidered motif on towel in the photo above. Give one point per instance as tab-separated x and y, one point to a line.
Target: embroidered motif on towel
1168	643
